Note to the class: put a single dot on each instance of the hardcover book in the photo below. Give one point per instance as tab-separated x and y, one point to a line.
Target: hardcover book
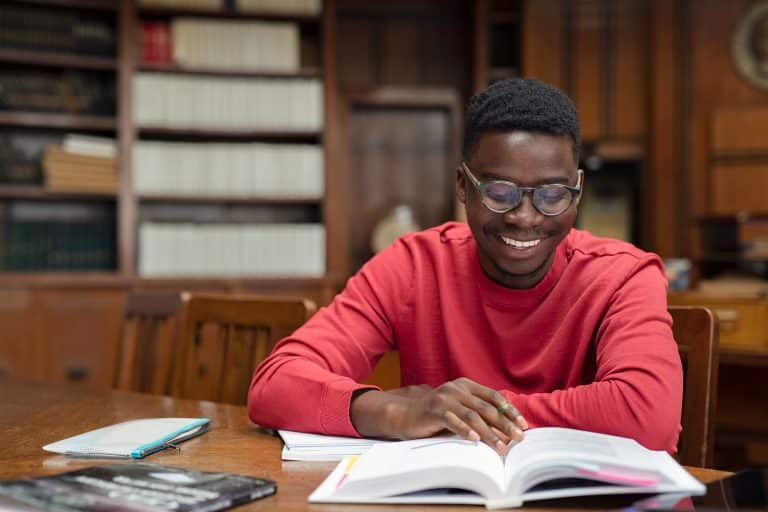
135	487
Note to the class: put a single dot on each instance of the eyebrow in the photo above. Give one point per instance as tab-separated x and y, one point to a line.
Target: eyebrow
555	180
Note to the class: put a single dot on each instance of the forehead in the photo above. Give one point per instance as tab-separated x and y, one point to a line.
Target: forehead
524	156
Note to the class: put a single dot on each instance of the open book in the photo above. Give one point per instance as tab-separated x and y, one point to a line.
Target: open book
548	463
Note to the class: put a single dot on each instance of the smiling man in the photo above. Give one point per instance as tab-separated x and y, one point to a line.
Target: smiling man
515	320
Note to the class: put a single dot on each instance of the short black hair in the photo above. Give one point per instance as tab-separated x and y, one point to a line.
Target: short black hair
523	104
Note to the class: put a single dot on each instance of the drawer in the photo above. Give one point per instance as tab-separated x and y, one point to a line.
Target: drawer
743	322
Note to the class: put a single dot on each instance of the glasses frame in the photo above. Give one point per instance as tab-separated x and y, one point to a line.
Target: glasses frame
481	186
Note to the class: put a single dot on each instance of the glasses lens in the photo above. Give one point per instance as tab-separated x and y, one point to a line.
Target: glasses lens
500	195
552	199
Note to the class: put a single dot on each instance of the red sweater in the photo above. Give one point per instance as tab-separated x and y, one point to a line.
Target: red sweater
589	347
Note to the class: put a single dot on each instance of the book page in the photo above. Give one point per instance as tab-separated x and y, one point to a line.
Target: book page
550	453
409	466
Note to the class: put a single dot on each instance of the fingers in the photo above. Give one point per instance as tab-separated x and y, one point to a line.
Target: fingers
509	418
476	412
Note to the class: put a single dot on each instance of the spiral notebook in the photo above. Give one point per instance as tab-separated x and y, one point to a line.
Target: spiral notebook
131	439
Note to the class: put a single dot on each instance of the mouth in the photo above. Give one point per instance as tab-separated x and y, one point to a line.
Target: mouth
520	244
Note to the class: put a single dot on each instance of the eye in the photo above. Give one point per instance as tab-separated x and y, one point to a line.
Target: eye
553	194
502	192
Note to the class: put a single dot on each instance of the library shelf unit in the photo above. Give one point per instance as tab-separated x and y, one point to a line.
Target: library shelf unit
63	325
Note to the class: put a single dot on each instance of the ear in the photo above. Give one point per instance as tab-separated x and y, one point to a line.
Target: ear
461	185
581	176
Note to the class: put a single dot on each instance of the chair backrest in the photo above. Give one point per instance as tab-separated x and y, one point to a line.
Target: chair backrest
144	357
223	338
696	331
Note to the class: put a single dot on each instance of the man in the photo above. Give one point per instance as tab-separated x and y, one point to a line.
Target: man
514	321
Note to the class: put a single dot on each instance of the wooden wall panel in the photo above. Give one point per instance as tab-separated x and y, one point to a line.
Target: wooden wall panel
739	187
356	67
589	86
628	46
543	41
17	339
714	85
740	130
80	329
400	59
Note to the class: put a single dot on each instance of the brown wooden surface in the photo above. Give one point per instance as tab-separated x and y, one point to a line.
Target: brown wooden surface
35	414
224	337
145	354
696	332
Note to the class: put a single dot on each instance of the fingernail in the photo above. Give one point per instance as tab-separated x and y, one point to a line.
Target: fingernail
523	424
473	436
517	433
501	447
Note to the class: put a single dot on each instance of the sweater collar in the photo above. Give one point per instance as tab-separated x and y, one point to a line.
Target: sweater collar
494	294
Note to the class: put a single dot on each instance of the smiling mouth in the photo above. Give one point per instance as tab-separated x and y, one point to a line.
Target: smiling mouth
520	244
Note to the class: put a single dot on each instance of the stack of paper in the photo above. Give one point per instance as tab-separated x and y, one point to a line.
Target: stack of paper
301	446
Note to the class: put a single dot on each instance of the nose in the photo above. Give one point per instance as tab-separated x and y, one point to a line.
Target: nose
525	216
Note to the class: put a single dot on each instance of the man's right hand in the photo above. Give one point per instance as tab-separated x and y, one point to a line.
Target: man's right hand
462	406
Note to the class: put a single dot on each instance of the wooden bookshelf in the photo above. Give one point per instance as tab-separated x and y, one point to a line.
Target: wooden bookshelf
95	5
57	60
57	121
199	134
38	192
309	72
157	12
214	199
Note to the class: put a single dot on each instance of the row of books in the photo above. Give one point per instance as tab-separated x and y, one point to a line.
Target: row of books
222	45
36	28
70	171
253	169
59	91
284	250
296	7
22	153
41	245
217	103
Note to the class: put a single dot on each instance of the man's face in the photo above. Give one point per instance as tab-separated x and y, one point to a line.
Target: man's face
526	159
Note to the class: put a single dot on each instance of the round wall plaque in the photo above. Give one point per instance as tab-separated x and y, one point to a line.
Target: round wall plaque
749	45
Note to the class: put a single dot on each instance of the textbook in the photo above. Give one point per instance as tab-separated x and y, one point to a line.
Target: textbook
319	447
135	487
135	438
549	463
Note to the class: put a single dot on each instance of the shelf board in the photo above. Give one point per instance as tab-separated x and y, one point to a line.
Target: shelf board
57	121
58	60
97	5
163	12
735	218
201	134
37	192
167	198
738	356
172	68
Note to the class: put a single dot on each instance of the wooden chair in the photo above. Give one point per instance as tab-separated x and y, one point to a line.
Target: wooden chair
224	337
696	331
145	354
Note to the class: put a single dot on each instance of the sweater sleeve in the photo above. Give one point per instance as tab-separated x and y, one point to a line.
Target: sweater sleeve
307	382
637	391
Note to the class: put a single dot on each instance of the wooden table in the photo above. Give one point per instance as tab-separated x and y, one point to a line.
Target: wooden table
34	414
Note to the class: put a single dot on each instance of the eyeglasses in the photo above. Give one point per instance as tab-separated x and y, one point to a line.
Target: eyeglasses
501	196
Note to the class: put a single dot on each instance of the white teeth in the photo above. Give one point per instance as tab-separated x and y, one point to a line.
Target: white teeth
519	244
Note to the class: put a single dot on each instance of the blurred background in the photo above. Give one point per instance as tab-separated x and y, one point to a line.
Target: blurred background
270	146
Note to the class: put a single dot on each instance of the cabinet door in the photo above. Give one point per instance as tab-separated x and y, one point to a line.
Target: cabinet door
79	329
17	340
